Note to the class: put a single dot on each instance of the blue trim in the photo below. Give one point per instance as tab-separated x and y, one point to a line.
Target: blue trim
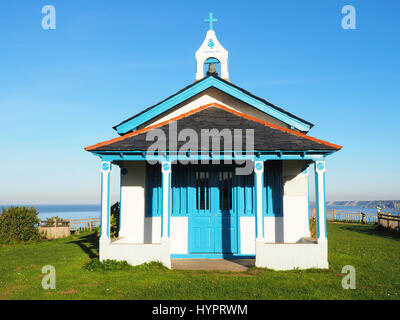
162	204
108	204
317	201
211	60
228	155
168	177
169	200
120	202
255	202
326	227
153	190
211	256
262	201
201	86
273	189
308	198
101	204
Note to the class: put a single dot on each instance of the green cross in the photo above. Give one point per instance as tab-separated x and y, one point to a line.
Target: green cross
210	20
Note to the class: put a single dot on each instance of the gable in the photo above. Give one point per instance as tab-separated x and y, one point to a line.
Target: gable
212	81
213	96
267	137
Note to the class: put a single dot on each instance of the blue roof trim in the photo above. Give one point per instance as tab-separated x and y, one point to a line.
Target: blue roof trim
313	155
202	85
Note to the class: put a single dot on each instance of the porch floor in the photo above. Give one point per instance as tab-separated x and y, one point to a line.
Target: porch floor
237	265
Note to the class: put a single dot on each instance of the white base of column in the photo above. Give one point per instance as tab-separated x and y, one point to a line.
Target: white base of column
136	253
322	240
289	256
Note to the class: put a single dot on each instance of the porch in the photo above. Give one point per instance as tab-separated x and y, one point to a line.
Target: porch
272	240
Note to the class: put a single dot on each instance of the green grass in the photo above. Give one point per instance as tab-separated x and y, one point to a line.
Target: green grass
374	253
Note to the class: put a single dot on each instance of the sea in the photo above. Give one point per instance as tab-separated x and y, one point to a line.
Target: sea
84	211
64	211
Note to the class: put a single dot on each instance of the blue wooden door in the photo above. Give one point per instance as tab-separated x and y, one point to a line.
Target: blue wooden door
212	221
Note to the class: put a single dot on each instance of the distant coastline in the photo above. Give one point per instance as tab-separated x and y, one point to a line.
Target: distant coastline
390	205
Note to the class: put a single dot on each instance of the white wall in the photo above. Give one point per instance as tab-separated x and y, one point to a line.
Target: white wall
152	229
133	201
295	201
247	235
135	226
273	229
179	235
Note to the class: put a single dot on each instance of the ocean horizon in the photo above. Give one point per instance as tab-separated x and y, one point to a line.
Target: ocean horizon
64	211
84	211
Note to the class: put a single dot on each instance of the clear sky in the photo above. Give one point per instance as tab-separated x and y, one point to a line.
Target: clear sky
64	89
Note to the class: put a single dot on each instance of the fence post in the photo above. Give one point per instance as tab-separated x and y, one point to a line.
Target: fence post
90	223
362	217
55	229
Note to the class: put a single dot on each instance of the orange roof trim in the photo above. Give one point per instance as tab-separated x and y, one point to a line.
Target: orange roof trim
214	104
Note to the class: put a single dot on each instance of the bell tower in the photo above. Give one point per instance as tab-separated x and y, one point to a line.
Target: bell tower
211	52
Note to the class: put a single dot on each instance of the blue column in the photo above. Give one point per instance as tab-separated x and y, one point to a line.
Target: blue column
258	182
105	200
320	200
166	196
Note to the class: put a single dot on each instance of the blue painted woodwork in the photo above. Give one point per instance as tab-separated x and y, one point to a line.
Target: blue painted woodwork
197	191
213	222
184	197
201	86
211	60
273	189
113	156
153	190
212	256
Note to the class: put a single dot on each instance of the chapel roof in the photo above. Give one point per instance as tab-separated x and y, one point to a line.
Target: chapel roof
267	136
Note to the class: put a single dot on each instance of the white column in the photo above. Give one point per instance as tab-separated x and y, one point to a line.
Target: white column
259	178
166	191
105	201
320	200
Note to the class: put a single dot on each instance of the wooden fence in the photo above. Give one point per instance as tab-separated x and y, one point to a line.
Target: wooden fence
388	221
74	224
348	216
84	224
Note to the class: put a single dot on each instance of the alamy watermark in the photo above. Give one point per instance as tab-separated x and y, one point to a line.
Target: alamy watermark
49	280
349	280
188	148
49	20
349	20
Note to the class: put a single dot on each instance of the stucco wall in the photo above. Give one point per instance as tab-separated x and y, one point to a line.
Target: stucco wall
295	201
133	201
135	227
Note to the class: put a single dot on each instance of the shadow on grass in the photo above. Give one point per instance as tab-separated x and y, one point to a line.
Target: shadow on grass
373	230
89	244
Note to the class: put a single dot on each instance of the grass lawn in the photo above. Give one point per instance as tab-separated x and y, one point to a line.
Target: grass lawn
374	253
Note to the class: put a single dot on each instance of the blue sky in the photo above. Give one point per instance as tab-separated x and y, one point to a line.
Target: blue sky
64	89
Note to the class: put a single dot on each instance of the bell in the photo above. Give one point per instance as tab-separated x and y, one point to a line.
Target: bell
212	69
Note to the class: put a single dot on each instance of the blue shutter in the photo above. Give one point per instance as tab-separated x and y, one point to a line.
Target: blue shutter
273	189
153	191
